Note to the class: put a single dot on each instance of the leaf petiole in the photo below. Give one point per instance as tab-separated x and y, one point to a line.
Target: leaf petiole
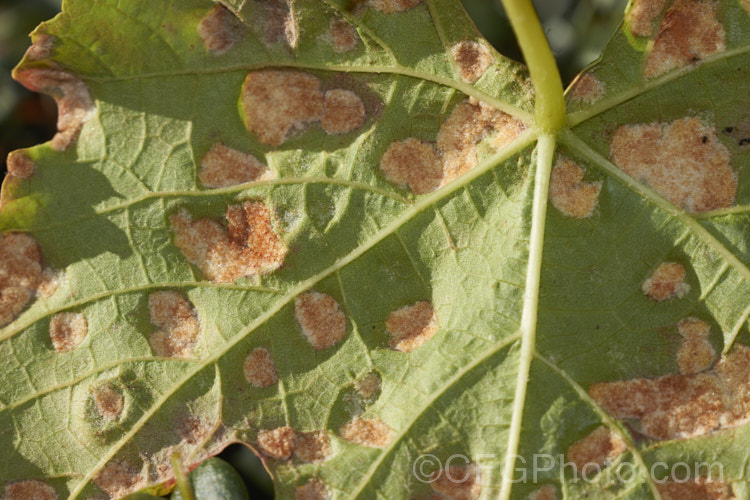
550	104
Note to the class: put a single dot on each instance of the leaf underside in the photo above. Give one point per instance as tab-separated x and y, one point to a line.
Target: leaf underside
495	380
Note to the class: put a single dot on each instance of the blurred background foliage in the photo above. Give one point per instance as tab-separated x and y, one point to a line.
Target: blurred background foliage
577	31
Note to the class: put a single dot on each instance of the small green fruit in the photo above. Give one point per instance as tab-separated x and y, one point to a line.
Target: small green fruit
215	479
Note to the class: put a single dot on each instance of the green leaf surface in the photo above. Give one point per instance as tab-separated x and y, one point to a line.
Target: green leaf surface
534	303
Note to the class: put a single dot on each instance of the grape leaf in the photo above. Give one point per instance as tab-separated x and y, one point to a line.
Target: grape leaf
320	228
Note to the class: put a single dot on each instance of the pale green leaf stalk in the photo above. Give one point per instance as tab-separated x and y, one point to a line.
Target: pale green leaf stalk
549	108
181	478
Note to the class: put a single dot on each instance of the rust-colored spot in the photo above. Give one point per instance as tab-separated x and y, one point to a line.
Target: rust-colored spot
193	429
683	161
469	123
178	324
223	166
370	432
411	326
343	112
260	369
119	478
546	492
683	406
699	488
368	386
321	319
391	6
41	48
313	446
424	168
277	103
587	88
278	22
67	331
29	490
666	282
74	103
219	29
457	482
342	36
642	16
690	32
314	489
19	164
472	59
696	353
746	4
414	164
569	194
278	443
49	282
599	448
20	273
108	401
248	247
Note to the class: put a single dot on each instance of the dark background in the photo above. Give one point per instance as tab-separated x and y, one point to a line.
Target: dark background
577	31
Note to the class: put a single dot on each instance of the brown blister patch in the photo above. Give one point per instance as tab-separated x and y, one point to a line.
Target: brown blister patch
223	167
41	48
49	282
391	6
314	489
695	353
472	59
414	164
569	194
67	331
690	32
119	478
425	168
320	318
260	370
599	448
666	282
683	161
30	489
219	29
20	273
74	103
277	103
411	326
277	22
684	406
247	248
192	429
457	482
699	488
313	446
546	492
469	123
587	88
343	112
368	386
277	443
370	432
19	164
108	401
642	16
178	324
342	36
